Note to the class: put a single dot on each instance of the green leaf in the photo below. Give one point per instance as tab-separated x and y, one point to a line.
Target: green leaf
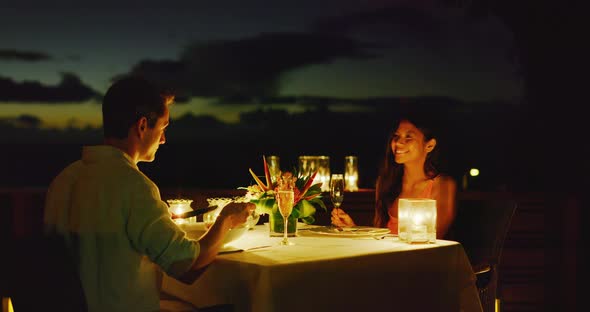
305	209
308	220
300	183
264	205
314	189
317	201
296	213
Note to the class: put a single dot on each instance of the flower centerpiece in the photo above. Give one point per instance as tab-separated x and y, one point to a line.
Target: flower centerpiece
307	198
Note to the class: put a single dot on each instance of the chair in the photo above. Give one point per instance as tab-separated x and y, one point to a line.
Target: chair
40	276
5	301
481	226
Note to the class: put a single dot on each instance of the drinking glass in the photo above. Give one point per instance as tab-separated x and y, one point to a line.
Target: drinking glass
285	201
337	189
274	167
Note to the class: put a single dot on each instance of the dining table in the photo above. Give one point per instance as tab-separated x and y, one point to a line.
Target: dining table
326	270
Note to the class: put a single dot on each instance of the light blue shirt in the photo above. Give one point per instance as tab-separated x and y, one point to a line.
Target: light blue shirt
120	230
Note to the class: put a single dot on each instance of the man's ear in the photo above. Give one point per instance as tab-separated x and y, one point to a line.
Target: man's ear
430	145
141	126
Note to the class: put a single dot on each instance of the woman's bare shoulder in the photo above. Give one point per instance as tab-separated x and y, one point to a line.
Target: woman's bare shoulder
446	182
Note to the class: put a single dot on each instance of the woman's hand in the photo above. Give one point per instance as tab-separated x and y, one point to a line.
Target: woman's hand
341	218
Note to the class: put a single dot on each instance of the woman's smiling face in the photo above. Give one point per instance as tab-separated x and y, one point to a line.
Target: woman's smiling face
408	144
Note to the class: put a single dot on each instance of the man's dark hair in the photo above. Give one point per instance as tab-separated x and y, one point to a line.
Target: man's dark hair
129	99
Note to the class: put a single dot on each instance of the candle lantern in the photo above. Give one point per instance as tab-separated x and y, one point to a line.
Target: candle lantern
417	220
324	172
307	164
351	173
321	164
180	206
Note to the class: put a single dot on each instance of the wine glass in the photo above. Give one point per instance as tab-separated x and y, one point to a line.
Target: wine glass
337	191
285	201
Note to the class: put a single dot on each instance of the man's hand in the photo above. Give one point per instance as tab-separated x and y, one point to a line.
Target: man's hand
232	215
237	213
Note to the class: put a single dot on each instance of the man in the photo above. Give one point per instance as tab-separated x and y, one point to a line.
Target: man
111	216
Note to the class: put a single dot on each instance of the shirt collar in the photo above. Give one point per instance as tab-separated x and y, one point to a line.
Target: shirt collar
98	153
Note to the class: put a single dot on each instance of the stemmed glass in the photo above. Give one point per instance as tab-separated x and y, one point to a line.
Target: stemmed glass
337	191
285	201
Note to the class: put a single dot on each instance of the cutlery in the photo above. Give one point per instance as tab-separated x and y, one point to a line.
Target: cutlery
257	247
241	250
337	228
378	237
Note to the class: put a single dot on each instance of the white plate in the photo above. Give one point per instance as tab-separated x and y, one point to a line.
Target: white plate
229	249
355	231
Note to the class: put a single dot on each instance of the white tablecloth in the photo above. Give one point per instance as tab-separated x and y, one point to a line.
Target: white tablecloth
322	273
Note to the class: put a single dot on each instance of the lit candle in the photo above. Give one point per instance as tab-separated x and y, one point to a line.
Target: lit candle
325	180
351	182
209	218
324	172
351	173
180	206
417	220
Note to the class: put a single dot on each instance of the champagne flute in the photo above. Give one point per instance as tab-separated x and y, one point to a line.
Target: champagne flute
337	191
285	201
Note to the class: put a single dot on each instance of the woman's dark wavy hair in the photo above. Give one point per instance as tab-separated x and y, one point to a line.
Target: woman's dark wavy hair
389	182
129	99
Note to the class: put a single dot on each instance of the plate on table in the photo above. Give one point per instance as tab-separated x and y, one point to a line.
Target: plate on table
229	249
354	231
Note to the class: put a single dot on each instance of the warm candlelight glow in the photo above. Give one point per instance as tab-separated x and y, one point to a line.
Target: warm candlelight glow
274	167
324	172
309	164
7	305
209	218
351	173
417	220
325	180
180	206
351	183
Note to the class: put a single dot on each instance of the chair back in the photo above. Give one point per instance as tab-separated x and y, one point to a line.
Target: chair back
41	276
481	226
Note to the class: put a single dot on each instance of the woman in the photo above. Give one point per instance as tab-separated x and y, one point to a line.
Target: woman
409	171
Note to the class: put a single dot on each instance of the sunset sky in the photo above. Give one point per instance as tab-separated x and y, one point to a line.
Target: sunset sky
57	58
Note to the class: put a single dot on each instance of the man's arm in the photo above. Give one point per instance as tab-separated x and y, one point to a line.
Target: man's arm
231	216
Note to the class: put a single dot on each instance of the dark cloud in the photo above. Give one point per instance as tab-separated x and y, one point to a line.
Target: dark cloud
29	121
22	121
248	68
417	20
433	103
25	56
70	90
414	24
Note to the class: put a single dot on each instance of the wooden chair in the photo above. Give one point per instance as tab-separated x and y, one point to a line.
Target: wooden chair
481	226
